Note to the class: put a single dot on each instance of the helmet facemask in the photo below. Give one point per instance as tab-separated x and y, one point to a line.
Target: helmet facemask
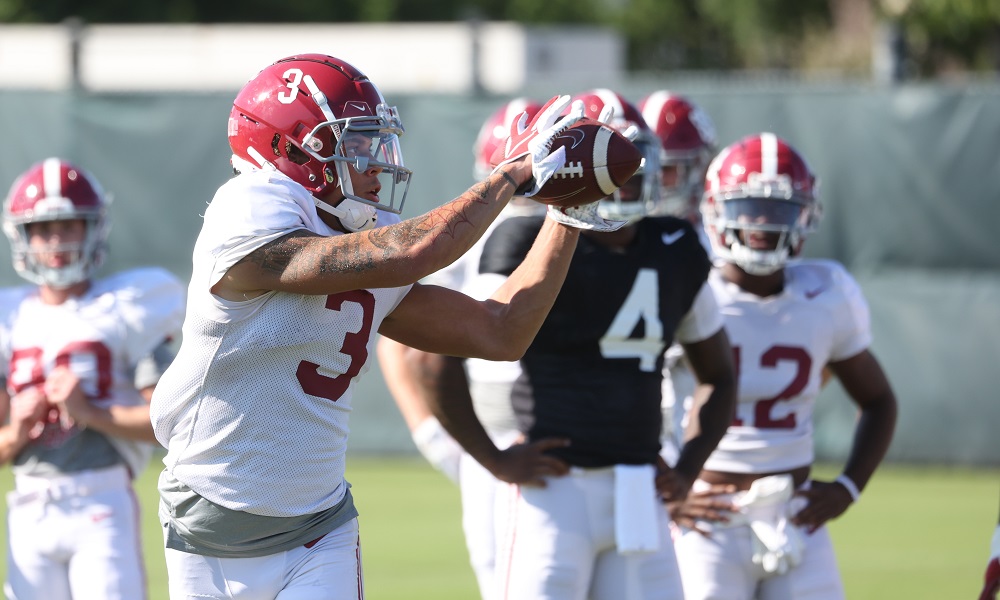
301	115
30	263
681	179
638	197
759	234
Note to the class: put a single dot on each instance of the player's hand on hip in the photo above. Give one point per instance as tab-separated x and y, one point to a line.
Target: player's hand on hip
825	501
706	504
529	463
671	485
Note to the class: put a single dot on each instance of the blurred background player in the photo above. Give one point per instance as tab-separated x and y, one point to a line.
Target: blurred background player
411	374
80	359
592	375
991	579
754	524
687	144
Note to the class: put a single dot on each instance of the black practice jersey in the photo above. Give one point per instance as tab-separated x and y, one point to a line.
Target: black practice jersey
594	371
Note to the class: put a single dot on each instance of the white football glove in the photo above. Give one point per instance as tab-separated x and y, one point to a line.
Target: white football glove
535	138
584	217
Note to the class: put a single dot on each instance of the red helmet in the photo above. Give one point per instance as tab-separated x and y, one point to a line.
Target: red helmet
495	130
55	190
639	196
295	117
687	143
760	186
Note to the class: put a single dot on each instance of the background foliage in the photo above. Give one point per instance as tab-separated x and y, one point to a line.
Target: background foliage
933	38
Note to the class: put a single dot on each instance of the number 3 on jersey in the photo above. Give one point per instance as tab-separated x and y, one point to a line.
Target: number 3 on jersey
642	304
355	346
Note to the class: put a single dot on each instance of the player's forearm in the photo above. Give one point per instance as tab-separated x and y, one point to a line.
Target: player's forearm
13	438
525	298
395	362
449	399
872	437
711	415
429	242
131	422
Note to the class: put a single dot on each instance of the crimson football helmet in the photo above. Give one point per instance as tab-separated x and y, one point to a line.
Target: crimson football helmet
55	190
687	144
639	196
310	117
761	201
495	131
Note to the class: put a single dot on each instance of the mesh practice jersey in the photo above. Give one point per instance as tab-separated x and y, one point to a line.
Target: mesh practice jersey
593	372
102	336
254	409
780	345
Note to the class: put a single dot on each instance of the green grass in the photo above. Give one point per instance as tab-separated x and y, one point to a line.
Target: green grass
918	533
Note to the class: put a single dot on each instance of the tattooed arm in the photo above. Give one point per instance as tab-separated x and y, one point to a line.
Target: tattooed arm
304	263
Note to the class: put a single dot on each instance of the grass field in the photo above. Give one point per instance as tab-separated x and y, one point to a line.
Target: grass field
918	533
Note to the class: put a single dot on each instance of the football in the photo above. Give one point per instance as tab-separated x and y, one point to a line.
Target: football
599	160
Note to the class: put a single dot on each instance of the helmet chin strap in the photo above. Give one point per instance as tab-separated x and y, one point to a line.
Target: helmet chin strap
353	215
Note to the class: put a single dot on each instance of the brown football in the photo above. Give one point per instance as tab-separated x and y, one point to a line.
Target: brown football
599	160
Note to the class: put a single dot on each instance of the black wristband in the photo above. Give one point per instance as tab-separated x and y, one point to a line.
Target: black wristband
524	187
510	179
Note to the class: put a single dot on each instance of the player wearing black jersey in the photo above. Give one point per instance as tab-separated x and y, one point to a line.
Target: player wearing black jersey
592	375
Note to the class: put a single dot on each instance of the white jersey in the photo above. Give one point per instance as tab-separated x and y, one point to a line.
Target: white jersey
254	409
102	336
781	345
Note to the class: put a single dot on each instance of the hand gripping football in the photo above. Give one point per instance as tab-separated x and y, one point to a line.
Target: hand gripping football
599	160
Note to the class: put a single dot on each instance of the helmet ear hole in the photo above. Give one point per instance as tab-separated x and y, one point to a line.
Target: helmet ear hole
295	154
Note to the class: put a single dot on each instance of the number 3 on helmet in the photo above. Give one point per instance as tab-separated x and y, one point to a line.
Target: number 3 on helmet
304	116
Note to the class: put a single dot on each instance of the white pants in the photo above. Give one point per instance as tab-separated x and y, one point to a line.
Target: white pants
558	543
721	567
75	536
479	496
328	570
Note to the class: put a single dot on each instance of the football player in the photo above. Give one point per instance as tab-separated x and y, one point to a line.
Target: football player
410	374
754	525
80	358
687	144
592	375
301	260
991	579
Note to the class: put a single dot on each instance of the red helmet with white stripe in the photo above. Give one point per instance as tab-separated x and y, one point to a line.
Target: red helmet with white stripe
495	131
310	117
639	196
761	202
56	190
687	143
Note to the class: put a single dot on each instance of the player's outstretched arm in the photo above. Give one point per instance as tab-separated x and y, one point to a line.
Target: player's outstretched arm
392	256
867	385
442	321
